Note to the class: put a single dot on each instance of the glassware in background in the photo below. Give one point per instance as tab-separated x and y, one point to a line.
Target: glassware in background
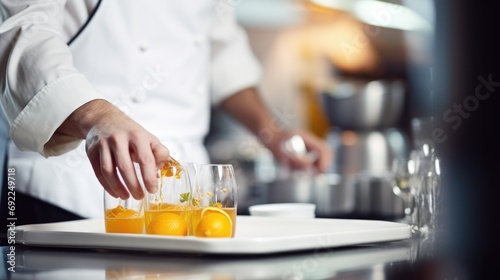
168	211
215	201
124	216
426	179
399	177
421	129
426	183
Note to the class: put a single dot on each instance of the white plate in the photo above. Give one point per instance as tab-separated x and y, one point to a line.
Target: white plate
254	235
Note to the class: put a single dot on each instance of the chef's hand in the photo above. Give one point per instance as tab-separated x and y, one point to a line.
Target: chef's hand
248	108
113	143
320	154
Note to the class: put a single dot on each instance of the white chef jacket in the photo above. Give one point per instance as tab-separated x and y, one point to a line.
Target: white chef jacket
164	63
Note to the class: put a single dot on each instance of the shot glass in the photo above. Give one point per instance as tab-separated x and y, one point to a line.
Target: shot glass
123	216
215	201
169	210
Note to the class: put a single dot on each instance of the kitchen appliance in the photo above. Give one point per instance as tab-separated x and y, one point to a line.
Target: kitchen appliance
351	195
364	104
365	135
365	117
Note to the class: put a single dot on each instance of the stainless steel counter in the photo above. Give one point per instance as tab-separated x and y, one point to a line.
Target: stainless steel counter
376	261
393	260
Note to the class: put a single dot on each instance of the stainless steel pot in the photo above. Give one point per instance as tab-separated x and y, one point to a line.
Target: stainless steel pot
366	150
354	187
357	195
364	104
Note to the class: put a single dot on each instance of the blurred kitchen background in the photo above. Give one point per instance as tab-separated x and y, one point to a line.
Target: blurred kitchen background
353	72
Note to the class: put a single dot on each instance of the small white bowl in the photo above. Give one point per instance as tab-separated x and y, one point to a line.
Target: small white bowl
288	210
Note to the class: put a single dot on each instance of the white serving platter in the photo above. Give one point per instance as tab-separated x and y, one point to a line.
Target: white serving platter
254	235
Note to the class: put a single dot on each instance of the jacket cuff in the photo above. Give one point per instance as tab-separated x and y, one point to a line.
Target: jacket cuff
33	129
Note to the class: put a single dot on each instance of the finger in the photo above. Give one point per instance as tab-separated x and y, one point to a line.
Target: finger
160	152
126	168
325	159
108	169
143	155
325	156
94	159
322	150
301	161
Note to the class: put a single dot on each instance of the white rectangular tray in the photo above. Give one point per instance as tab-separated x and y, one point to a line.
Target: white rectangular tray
254	235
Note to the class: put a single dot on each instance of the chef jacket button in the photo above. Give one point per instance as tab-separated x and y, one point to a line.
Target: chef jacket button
198	40
144	46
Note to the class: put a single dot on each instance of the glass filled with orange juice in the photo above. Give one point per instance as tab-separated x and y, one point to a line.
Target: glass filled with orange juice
123	216
214	201
169	210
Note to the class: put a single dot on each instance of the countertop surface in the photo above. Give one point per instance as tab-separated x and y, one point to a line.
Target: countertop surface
387	260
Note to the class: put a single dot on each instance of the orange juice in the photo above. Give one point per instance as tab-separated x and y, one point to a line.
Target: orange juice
197	216
122	220
154	210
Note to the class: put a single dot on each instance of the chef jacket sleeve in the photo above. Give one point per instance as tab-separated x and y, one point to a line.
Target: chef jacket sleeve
234	67
40	86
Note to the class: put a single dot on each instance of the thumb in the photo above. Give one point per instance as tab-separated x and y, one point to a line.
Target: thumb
160	152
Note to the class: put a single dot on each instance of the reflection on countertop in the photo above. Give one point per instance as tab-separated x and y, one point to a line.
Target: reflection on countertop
377	261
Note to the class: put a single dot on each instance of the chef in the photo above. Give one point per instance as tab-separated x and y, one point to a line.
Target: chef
91	89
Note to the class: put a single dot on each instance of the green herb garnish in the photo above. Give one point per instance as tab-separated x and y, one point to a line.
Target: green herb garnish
184	197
